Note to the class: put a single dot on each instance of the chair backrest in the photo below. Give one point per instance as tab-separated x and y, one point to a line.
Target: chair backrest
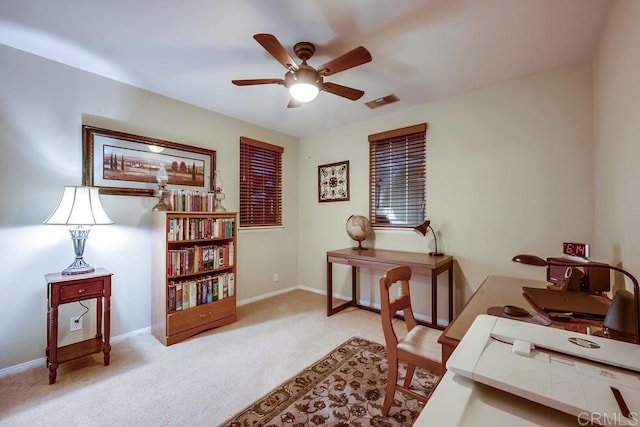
390	307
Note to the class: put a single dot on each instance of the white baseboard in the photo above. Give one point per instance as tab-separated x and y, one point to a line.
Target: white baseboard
42	361
265	296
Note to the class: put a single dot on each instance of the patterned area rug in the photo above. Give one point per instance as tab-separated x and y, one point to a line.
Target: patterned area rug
344	388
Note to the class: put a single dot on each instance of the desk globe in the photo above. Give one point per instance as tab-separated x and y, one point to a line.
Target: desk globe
358	228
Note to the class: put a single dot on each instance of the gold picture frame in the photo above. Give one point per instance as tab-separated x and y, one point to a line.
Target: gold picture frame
126	164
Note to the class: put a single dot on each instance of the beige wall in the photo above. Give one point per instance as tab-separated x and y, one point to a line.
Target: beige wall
617	138
509	170
482	148
43	105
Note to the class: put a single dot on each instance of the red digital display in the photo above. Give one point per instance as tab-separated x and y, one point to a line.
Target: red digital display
576	249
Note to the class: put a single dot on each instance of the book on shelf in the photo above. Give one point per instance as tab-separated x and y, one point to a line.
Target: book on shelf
191	201
232	284
172	297
178	287
196	259
182	228
186	294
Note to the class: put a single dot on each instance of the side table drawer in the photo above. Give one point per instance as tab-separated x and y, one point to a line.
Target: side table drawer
80	291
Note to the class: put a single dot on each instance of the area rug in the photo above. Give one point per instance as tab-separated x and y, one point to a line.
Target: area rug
344	388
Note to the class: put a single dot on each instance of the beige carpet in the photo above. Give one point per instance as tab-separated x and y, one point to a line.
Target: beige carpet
200	382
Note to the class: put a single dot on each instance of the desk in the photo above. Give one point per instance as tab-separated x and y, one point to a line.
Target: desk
64	289
459	401
494	291
384	259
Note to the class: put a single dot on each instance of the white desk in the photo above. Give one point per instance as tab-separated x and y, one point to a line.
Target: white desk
459	401
573	378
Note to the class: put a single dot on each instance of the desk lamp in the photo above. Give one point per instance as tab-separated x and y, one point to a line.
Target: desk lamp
79	206
616	310
422	230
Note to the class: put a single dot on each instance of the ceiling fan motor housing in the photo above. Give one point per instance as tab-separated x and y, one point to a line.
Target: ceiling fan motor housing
304	50
305	74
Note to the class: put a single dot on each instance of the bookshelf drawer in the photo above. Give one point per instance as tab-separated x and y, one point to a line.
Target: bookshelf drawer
81	291
193	317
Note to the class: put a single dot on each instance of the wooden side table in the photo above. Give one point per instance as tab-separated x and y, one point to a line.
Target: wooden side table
64	289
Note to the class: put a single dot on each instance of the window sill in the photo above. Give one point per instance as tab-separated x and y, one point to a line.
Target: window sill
262	228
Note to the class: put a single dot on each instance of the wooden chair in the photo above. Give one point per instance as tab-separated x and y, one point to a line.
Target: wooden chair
413	348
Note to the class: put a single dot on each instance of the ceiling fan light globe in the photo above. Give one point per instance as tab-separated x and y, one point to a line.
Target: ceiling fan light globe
303	92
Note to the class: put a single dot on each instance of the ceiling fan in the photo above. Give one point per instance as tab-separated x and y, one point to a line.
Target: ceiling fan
303	81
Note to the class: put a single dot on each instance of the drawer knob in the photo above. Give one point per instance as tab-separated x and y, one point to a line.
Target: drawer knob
82	290
202	316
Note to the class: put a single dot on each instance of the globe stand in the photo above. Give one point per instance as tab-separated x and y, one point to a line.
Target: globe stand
360	247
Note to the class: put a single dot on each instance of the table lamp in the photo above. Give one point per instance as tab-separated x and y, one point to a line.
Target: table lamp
217	190
162	177
79	206
422	230
616	313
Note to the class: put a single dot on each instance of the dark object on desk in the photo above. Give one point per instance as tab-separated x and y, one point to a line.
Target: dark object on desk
515	311
580	304
533	317
422	230
619	323
560	317
535	260
570	278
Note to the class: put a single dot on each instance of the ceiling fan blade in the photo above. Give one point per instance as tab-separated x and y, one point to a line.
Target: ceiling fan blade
294	104
353	58
271	44
250	82
343	91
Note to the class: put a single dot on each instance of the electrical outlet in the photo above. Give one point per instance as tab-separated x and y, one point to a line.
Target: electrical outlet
276	277
75	324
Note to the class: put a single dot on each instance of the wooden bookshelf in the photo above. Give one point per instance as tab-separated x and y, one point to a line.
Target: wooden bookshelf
193	273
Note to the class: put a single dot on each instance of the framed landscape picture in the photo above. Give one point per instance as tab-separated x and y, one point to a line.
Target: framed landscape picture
333	182
126	164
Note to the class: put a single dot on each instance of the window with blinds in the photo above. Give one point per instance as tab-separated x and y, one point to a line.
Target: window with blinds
260	183
397	177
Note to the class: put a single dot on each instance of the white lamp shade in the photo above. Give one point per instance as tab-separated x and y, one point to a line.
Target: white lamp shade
304	92
79	206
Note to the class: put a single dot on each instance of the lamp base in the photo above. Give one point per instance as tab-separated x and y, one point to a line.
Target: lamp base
78	267
436	253
162	196
219	197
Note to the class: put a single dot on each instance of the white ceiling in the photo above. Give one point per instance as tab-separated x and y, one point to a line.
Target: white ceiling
190	50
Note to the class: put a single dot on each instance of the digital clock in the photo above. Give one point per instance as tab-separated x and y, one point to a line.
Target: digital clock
576	249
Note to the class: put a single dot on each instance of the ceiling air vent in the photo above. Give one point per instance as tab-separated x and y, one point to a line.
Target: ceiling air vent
389	99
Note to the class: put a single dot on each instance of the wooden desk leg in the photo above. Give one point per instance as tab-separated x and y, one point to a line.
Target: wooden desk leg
329	288
354	281
450	273
330	308
434	299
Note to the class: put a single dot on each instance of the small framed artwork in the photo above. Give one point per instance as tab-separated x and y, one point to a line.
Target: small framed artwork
333	182
127	164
